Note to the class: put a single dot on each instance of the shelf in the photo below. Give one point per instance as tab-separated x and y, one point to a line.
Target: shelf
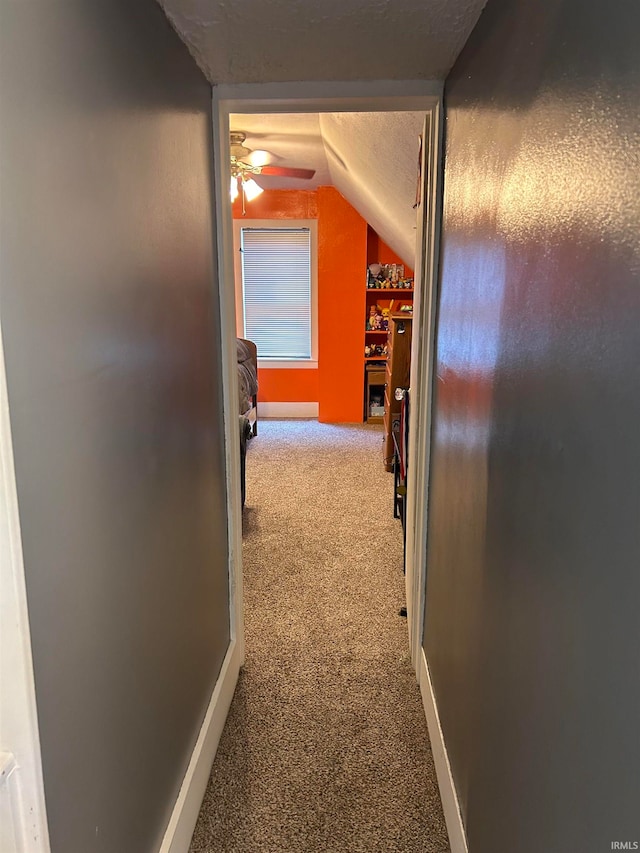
375	358
375	331
389	290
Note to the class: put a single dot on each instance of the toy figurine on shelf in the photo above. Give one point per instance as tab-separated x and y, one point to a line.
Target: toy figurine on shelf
374	323
374	272
375	351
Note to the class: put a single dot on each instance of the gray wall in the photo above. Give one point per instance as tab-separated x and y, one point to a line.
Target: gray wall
111	338
533	583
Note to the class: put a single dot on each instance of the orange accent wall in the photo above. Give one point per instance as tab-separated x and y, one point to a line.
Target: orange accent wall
338	383
287	385
284	385
280	204
342	258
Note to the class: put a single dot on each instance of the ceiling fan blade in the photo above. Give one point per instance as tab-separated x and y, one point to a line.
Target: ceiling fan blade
284	172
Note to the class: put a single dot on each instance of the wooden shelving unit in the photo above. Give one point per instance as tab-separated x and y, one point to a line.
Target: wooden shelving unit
374	393
390	290
396	376
381	303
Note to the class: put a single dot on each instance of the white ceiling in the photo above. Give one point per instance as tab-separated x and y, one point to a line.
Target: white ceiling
371	158
373	161
257	41
292	139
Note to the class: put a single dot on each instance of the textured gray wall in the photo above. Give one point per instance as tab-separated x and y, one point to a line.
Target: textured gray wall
110	330
534	539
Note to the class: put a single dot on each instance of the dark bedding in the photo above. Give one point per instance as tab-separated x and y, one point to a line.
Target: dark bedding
248	391
247	375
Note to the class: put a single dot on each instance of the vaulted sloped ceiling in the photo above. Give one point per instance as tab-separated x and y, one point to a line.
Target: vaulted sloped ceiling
378	173
370	158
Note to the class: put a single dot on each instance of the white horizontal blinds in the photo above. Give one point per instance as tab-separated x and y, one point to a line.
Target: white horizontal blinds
276	286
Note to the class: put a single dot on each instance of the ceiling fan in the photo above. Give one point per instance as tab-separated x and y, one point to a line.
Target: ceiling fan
246	163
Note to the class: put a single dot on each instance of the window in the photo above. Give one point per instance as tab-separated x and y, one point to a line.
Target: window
278	277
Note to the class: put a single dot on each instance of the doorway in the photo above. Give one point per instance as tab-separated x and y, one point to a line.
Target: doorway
334	98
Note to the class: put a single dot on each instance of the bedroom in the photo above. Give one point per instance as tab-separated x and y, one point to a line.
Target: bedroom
358	214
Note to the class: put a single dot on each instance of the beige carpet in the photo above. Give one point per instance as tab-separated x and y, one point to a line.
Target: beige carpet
326	747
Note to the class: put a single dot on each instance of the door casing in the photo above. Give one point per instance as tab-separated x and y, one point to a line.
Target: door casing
23	815
316	97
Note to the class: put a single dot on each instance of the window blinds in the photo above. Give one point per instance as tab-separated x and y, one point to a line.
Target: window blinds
276	288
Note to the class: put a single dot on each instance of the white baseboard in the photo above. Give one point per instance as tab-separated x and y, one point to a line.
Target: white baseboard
288	410
448	795
177	838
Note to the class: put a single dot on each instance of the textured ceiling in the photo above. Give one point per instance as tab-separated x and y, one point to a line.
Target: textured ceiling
373	161
371	158
259	41
292	139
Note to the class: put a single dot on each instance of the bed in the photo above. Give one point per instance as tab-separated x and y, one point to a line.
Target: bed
248	394
248	382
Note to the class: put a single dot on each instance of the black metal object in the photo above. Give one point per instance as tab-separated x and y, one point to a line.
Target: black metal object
254	401
400	447
245	434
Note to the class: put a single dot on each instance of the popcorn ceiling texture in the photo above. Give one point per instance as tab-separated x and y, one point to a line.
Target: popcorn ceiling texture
292	139
371	158
326	748
280	40
267	41
378	174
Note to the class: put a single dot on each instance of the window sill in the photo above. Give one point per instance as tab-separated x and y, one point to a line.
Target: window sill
296	364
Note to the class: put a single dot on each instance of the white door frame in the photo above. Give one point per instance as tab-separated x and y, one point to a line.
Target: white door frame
375	96
23	819
422	367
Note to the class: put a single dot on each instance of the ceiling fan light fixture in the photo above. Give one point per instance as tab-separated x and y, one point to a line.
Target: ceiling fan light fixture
233	190
251	189
259	158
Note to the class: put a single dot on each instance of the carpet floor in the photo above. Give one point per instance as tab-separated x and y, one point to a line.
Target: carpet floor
325	749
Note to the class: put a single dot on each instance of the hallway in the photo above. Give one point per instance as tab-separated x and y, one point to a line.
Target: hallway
325	749
119	426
